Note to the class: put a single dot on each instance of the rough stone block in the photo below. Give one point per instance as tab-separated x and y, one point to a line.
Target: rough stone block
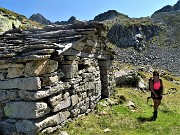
11	65
8	95
26	127
90	43
7	128
53	120
35	95
63	104
30	83
91	69
88	76
1	110
70	71
49	80
74	113
36	68
26	110
74	99
54	100
14	72
83	109
2	76
89	85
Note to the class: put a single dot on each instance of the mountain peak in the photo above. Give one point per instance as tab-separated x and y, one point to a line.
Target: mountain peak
72	19
40	19
110	14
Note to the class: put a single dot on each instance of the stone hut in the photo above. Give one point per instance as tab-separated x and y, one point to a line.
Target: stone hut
51	75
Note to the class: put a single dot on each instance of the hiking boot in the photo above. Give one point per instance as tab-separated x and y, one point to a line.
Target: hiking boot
155	115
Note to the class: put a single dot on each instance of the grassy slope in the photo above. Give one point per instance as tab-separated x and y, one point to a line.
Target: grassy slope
122	121
26	23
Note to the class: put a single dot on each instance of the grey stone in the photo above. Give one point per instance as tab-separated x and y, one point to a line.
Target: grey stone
1	110
89	85
36	52
2	76
74	113
14	72
70	71
32	58
26	110
8	95
36	68
54	100
26	127
50	130
63	104
35	95
83	109
31	83
74	99
53	120
7	128
49	80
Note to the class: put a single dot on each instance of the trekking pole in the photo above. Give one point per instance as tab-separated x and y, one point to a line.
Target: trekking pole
162	94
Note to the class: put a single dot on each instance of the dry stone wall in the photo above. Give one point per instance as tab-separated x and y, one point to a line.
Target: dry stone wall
38	93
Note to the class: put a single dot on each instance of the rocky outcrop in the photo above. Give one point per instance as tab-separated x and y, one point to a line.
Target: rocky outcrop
40	19
10	20
7	21
132	35
50	76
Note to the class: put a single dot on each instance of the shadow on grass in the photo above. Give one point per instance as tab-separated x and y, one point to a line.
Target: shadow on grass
145	119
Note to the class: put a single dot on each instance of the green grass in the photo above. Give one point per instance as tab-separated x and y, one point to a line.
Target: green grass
8	12
122	121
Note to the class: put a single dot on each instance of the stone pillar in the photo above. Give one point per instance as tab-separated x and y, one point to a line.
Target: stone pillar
107	77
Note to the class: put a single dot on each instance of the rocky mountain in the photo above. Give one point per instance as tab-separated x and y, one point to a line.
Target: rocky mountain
169	8
40	19
150	41
109	15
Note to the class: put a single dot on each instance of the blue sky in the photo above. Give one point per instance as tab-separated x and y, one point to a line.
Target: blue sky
62	10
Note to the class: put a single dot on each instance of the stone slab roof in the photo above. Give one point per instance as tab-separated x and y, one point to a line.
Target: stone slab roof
33	44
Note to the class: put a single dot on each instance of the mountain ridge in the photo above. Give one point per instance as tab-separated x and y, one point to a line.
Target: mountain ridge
169	8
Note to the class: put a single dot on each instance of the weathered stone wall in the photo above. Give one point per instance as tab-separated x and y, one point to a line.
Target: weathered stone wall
39	94
42	94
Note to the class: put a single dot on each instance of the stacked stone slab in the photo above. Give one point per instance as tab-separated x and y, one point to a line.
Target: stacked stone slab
52	75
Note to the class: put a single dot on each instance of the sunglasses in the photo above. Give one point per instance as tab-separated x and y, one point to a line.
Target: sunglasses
156	75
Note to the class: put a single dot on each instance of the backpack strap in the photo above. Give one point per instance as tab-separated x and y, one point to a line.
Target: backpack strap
150	79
